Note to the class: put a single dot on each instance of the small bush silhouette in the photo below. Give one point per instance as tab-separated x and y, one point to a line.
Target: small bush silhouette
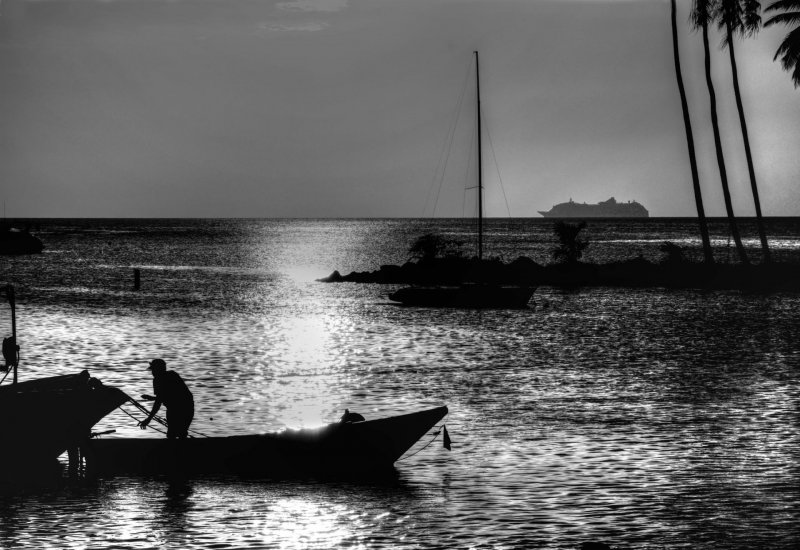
674	253
431	246
570	245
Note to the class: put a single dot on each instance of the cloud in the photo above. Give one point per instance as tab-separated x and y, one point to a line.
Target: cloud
313	5
292	27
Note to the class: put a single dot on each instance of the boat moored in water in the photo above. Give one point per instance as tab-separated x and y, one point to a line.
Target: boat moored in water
465	296
14	241
469	293
45	417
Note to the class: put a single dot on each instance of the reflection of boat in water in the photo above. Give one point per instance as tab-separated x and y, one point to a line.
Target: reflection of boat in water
42	418
604	209
469	294
18	241
344	447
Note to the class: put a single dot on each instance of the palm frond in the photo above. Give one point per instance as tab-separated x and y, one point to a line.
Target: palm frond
752	15
736	18
796	76
702	13
789	49
789	52
783	18
783	5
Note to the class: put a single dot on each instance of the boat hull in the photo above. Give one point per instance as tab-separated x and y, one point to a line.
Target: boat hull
465	296
357	447
45	417
14	242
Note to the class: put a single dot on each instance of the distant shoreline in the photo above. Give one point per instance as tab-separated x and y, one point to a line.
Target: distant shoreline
21	220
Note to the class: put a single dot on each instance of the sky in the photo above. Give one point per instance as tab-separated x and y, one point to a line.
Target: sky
343	108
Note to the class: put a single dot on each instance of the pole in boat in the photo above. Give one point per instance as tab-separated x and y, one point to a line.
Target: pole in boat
14	329
480	160
10	347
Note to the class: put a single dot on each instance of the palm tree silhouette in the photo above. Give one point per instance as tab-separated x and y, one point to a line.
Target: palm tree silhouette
789	50
702	15
742	17
687	123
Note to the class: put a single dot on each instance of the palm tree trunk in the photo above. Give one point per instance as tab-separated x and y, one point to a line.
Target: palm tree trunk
687	123
759	219
723	175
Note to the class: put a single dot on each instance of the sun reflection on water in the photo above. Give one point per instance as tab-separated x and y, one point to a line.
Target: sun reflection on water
306	364
303	523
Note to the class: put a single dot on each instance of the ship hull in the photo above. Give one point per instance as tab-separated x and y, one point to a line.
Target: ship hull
592	215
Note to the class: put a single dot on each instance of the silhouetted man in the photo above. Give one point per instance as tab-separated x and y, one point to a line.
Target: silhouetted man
171	390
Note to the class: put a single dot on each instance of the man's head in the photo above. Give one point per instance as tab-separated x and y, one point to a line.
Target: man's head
157	366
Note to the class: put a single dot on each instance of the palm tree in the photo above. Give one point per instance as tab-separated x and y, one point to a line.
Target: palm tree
687	123
789	50
701	17
570	244
742	17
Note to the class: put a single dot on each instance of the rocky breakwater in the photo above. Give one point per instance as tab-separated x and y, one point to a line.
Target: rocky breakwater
637	272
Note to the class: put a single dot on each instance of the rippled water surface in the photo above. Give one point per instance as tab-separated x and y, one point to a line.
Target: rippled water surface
644	418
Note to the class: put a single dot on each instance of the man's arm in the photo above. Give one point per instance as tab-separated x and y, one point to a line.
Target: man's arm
157	405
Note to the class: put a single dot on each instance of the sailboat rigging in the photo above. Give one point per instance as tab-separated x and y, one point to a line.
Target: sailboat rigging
480	156
472	294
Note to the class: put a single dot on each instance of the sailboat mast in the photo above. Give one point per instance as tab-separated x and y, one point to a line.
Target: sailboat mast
480	159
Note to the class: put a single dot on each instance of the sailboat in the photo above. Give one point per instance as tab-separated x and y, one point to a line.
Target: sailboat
475	293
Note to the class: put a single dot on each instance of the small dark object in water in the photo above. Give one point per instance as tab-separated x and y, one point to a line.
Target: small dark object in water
351	417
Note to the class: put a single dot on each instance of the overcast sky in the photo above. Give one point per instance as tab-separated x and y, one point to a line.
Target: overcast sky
341	108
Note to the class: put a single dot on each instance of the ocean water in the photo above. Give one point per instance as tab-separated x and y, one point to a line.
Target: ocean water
645	418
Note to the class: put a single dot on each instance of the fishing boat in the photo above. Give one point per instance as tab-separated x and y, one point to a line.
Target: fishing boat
363	447
14	241
44	417
469	293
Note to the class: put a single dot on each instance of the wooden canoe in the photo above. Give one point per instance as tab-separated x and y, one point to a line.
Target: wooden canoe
354	447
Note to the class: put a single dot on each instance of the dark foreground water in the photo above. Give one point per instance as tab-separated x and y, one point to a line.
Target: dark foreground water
644	418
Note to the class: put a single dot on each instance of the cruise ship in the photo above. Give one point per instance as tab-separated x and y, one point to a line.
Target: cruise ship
604	209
